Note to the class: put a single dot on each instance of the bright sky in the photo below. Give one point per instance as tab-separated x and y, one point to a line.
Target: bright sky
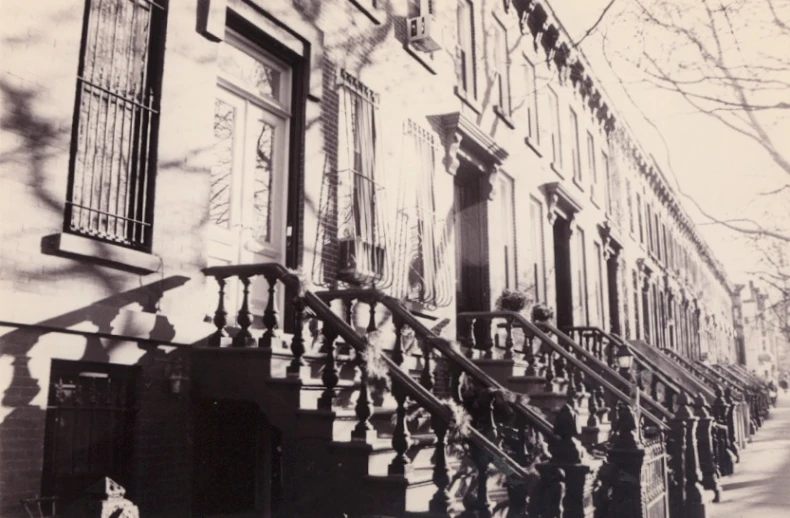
722	170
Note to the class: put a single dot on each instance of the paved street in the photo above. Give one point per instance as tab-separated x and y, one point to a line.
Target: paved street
761	484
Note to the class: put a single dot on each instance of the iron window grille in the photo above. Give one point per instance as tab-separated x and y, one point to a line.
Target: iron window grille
422	273
113	151
363	229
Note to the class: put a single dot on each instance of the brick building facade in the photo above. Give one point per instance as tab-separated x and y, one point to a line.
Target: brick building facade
144	142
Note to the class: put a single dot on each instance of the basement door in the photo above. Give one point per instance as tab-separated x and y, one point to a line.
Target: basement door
248	198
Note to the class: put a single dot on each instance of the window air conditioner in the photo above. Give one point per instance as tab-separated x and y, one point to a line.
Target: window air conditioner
423	29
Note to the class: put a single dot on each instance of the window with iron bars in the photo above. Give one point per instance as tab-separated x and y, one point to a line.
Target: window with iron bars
363	224
113	151
422	236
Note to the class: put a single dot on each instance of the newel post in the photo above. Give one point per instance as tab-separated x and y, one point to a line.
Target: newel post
707	456
627	456
693	505
567	457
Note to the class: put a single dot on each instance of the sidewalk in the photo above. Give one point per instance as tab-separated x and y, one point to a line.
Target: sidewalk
761	484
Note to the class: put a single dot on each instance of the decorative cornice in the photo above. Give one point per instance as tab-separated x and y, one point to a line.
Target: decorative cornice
473	139
560	201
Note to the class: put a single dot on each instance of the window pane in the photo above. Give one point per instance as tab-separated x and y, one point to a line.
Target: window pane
262	177
222	168
250	72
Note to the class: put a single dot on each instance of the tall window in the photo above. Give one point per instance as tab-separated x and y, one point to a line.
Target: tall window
575	158
610	188
637	327
538	260
649	216
466	48
630	202
89	431
508	230
362	219
556	140
531	86
112	168
599	283
501	61
591	165
421	254
639	217
582	315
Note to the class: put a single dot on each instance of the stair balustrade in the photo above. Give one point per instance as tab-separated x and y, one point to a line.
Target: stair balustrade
484	442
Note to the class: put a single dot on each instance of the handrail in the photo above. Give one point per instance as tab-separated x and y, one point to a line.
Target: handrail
590	357
637	356
702	381
536	331
414	389
738	384
275	271
445	347
753	380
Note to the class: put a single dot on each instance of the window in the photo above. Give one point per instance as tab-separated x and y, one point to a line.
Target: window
649	216
502	62
88	432
637	327
112	168
599	283
508	230
556	140
639	214
421	274
576	163
362	223
610	188
582	315
466	48
630	205
531	86
591	165
538	259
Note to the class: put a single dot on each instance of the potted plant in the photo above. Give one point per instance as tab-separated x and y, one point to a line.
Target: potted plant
512	300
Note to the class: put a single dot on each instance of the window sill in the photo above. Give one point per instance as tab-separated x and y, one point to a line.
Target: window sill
533	145
376	15
77	247
468	101
558	170
504	116
425	59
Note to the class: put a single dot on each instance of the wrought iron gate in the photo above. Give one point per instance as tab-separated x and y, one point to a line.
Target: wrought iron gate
655	501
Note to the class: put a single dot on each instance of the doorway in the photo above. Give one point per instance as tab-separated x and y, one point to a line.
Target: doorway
471	245
237	460
562	272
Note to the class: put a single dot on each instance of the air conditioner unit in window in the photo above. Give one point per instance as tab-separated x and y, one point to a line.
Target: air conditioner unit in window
424	32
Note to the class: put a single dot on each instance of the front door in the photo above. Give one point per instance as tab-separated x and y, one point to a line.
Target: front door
247	208
471	250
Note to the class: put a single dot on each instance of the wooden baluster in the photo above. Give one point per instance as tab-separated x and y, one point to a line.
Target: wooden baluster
329	377
363	431
348	306
401	440
244	318
509	339
425	376
592	405
440	501
549	373
529	353
397	350
270	320
372	320
560	365
465	338
482	334
297	342
220	317
571	390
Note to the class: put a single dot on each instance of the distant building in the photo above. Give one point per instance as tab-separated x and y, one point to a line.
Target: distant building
760	327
